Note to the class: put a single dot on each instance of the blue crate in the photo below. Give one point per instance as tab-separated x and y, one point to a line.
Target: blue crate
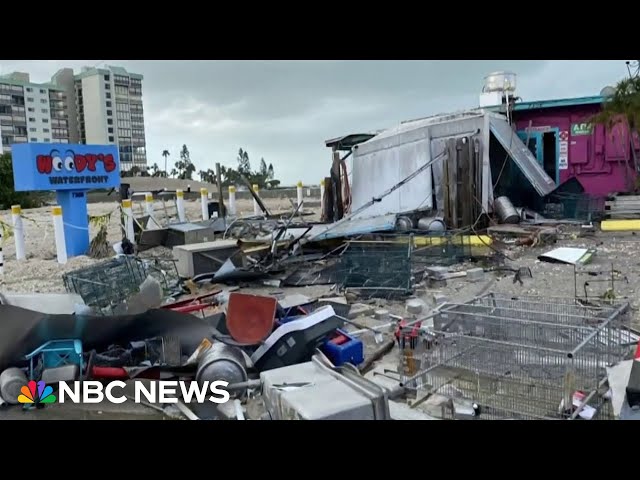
351	351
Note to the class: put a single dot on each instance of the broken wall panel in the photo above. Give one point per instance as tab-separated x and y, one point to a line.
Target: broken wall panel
522	156
394	154
460	183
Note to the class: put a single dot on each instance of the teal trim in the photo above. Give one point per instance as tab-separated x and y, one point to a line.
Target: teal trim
558	103
539	153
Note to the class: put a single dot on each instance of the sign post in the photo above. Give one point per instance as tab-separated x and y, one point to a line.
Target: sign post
71	171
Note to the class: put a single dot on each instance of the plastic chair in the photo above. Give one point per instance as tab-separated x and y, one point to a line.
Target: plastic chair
57	353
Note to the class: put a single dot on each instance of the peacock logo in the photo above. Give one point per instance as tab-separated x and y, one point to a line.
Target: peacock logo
34	392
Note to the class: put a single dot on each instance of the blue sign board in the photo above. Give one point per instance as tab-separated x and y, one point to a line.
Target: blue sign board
61	166
69	170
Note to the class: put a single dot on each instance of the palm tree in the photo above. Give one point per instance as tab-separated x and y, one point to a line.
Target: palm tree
165	154
622	107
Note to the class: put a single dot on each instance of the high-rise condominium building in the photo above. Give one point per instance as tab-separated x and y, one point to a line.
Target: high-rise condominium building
31	112
100	106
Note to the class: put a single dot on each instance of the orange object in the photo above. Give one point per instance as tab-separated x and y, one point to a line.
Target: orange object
250	318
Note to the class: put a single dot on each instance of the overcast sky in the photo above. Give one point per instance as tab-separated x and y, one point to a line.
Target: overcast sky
285	110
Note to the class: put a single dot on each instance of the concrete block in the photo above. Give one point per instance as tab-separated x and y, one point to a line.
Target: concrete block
439	298
358	309
475	274
381	314
435	283
415	306
437	272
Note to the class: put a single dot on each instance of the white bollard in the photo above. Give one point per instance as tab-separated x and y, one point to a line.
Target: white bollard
232	200
151	223
322	192
256	207
58	230
128	220
1	256
299	191
18	231
204	202
180	205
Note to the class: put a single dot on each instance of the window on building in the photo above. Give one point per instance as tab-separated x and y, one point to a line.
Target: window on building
43	90
44	100
45	110
33	129
47	139
109	112
108	104
45	120
45	130
109	121
31	109
108	95
106	78
107	86
29	99
111	138
33	139
32	119
19	130
29	89
110	130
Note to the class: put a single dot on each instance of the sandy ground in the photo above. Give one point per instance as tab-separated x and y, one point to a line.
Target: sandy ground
41	271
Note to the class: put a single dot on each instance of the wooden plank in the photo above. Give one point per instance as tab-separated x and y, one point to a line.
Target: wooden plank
445	189
627	198
453	182
473	184
464	187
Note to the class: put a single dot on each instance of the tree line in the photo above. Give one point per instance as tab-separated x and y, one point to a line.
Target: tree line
184	169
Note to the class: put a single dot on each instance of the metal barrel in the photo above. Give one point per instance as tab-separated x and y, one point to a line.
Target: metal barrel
223	362
404	223
431	224
505	210
11	381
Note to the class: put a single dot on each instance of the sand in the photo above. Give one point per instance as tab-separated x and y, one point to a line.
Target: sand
40	272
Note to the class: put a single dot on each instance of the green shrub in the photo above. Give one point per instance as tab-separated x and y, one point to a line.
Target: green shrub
8	196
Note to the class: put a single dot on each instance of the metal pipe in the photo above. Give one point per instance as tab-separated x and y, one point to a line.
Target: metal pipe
398	318
589	337
244	385
587	399
526	321
433	367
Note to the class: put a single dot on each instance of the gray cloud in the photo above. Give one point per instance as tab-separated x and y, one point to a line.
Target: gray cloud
284	110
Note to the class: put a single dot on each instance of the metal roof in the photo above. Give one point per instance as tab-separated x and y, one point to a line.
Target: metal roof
347	142
561	102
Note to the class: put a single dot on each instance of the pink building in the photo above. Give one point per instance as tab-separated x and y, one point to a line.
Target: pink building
567	146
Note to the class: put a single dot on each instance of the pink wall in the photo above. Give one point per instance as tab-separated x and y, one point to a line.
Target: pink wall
602	161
